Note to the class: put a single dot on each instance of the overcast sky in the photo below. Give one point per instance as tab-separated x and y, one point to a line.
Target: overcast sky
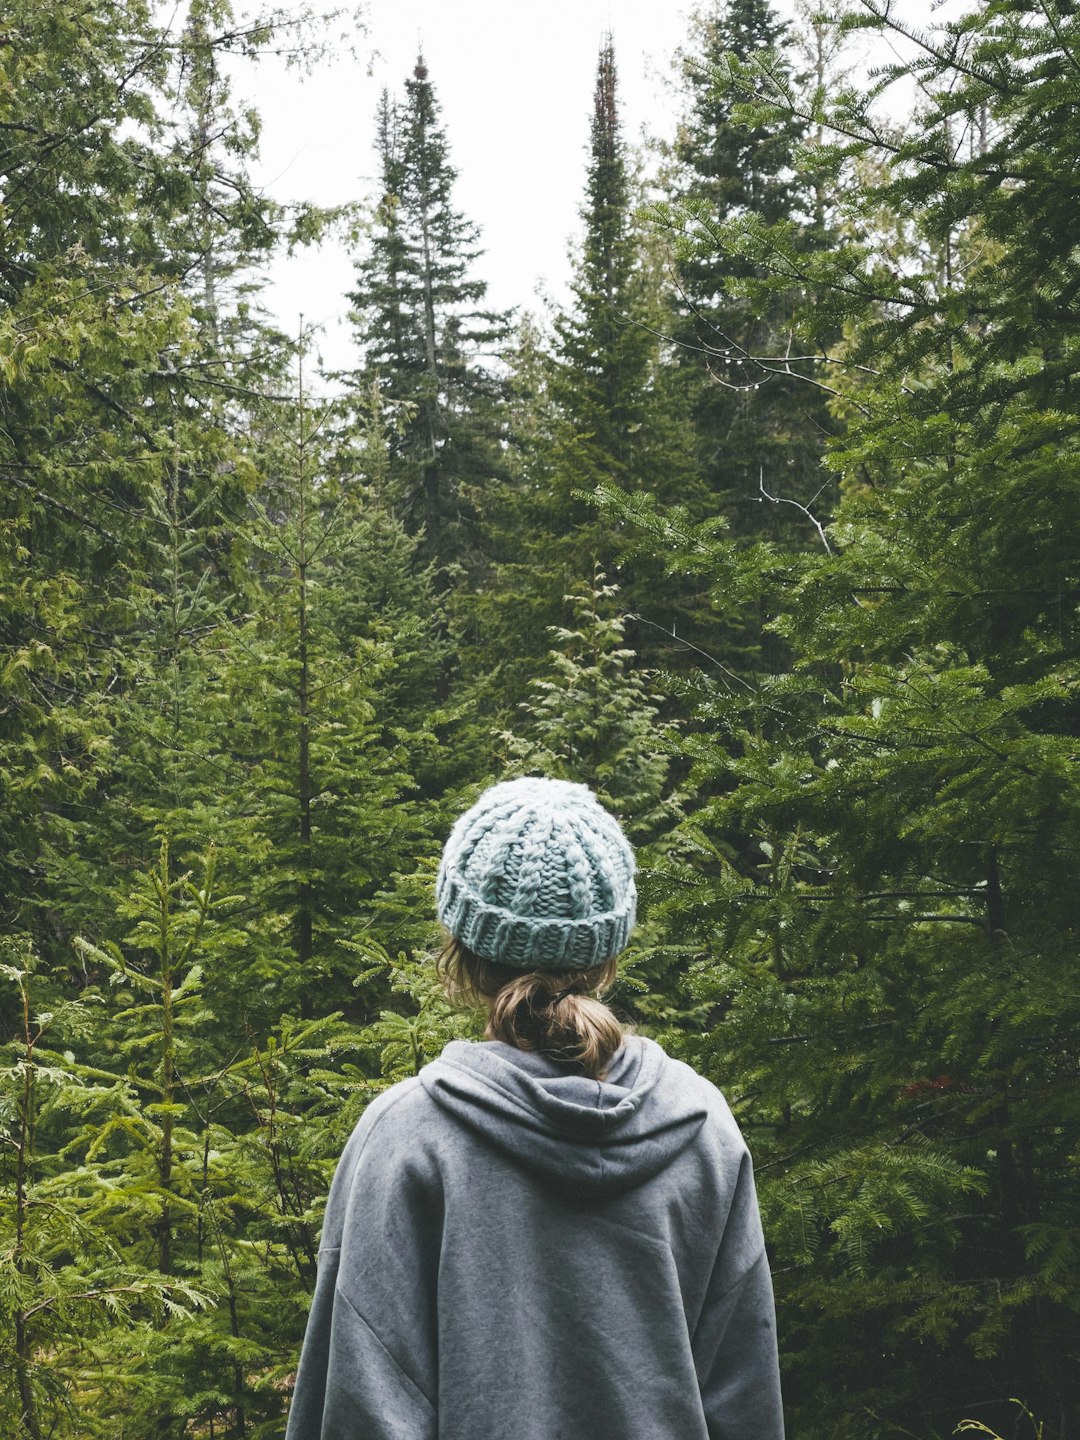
515	82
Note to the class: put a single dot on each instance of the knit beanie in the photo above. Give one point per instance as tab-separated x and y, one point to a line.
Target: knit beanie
538	876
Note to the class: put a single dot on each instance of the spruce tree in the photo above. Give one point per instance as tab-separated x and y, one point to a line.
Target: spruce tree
170	1126
601	411
124	486
315	807
880	916
617	420
759	427
74	1294
165	1186
590	718
424	335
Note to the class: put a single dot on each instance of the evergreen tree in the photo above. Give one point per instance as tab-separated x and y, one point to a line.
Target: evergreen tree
208	633
617	419
124	489
164	1189
70	1288
590	718
311	691
605	354
423	333
601	411
229	227
760	427
879	917
736	167
81	328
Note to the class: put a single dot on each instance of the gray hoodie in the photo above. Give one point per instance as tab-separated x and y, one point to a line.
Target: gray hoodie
514	1252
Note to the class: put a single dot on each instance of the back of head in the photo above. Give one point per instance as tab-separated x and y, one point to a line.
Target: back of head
536	889
544	1010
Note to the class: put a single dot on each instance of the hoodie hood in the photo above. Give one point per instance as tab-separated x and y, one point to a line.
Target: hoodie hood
597	1137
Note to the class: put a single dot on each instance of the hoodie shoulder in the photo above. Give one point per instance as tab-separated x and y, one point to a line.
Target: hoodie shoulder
706	1093
369	1145
393	1098
394	1118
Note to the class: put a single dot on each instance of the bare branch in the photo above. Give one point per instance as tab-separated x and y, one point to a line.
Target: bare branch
783	500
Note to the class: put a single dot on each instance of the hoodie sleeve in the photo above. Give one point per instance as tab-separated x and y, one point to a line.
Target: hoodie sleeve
735	1339
368	1366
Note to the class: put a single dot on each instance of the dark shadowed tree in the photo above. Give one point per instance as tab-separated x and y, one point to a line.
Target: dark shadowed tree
424	334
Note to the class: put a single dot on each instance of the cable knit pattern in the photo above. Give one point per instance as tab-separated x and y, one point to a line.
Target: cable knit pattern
538	876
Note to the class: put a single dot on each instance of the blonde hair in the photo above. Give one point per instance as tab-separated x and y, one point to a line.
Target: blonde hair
544	1010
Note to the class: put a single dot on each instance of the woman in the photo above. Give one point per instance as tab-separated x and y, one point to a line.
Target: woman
551	1234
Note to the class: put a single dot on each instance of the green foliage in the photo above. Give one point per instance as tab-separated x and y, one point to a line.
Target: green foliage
256	651
422	333
178	555
70	1284
166	1233
595	405
406	1039
590	718
759	427
872	898
306	688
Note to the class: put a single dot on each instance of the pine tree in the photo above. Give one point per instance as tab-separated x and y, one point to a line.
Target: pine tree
124	486
760	427
617	421
80	330
878	917
188	1170
423	333
313	690
70	1287
590	718
171	1123
601	412
738	168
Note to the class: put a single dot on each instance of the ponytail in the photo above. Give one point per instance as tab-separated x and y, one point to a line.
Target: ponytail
541	1010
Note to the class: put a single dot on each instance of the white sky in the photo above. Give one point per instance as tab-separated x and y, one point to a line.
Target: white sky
515	82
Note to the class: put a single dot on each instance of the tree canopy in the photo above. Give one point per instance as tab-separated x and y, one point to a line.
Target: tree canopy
768	534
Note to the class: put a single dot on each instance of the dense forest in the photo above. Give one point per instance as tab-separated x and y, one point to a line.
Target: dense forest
770	535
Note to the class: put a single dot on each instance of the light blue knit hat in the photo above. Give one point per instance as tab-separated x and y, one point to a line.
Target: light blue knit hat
538	876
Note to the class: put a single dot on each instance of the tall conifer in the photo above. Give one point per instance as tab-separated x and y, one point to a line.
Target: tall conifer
603	413
882	910
423	332
613	412
759	431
